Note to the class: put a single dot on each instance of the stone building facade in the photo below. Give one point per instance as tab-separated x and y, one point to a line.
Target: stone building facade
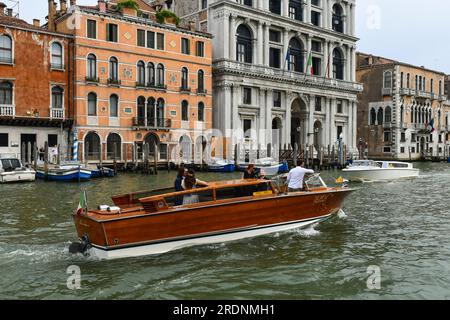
282	65
403	111
35	86
137	81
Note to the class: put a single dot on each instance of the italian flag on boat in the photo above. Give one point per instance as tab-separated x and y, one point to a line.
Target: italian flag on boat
82	205
309	66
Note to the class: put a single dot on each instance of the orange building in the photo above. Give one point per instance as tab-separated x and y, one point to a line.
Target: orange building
136	81
35	86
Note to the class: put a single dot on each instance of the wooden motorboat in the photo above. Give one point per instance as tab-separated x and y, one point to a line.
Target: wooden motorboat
150	223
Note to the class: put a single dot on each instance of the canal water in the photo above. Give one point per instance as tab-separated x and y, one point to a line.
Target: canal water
397	232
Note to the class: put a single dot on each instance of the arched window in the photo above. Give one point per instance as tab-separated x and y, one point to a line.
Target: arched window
413	110
57	97
6	93
295	61
388	115
57	56
160	112
6	54
201	111
113	70
151	112
201	81
338	19
92	67
185	111
113	106
141	73
184	78
244	50
114	146
387	82
151	74
141	111
92	104
160	75
380	116
338	65
92	146
373	117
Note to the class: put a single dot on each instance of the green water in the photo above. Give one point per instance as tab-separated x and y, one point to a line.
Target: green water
401	227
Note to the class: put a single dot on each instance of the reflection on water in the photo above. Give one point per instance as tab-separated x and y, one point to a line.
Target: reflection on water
402	227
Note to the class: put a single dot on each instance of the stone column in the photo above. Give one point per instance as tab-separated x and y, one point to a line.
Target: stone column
226	38
269	106
349	137
326	12
355	124
285	9
308	11
260	44
308	51
327	120
266	44
325	59
226	110
287	125
353	64
233	37
351	19
332	121
285	47
348	62
312	100
235	110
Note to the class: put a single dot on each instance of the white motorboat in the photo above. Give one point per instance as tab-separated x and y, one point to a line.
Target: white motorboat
269	167
12	170
369	170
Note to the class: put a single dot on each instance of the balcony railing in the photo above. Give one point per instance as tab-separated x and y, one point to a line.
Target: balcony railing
202	91
387	125
114	82
405	92
140	84
442	97
185	89
386	91
56	113
6	60
403	125
57	66
419	126
298	78
156	86
424	94
92	79
152	123
7	110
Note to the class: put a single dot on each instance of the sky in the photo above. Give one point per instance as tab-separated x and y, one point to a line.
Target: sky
411	31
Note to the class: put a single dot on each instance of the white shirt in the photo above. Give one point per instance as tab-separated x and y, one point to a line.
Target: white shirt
296	176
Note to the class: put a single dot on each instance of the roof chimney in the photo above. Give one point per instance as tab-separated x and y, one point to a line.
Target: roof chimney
9	12
192	26
102	6
36	22
2	8
51	15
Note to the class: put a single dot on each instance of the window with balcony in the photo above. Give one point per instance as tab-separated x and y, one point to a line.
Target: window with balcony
6	93
141	74
201	81
160	78
338	65
401	80
185	46
247	125
275	6
408	79
113	106
387	136
201	112
151	74
295	56
338	19
200	49
431	85
380	117
57	98
113	70
244	45
387	81
296	10
57	56
151	40
92	104
185	111
92	29
388	115
160	41
111	32
141	38
91	67
315	18
316	66
277	99
184	78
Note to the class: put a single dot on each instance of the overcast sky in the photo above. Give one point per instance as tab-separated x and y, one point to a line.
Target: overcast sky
412	31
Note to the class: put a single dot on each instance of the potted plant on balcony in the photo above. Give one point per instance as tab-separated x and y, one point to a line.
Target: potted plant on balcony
168	17
128	7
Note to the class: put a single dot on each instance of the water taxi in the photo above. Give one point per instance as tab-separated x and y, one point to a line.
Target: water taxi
149	222
369	171
12	170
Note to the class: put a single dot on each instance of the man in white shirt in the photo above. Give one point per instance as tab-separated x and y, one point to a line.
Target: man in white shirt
296	176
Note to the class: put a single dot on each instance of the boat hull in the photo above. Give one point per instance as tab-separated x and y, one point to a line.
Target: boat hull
64	175
379	174
224	168
21	176
125	236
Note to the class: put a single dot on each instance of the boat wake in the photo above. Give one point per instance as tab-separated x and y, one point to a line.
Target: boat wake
341	214
308	232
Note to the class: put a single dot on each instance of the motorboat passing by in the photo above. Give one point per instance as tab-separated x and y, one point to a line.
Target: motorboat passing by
150	222
12	170
221	165
268	167
369	171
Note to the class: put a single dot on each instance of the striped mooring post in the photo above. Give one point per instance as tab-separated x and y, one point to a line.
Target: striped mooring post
75	145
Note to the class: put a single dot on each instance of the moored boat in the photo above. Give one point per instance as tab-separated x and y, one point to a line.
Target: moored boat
64	173
12	170
150	222
269	167
221	165
369	171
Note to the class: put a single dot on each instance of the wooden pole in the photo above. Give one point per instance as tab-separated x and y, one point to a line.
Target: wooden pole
35	155
58	157
155	170
125	154
114	157
86	156
295	154
46	159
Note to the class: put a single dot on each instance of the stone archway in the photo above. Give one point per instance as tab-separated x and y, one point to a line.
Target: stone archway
92	147
299	117
153	141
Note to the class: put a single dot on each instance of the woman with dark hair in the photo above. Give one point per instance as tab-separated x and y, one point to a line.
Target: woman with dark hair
191	182
252	173
178	184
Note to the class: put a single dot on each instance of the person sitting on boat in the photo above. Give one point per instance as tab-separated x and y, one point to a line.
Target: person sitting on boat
189	183
252	173
178	184
296	176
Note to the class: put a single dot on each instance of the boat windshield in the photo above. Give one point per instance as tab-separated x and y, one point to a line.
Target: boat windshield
314	181
393	165
10	164
365	163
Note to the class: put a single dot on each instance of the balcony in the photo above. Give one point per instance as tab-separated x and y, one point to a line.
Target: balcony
114	82
419	126
387	125
7	110
158	86
57	113
184	89
202	91
151	123
274	74
442	97
140	85
6	60
57	67
92	80
405	92
386	91
403	125
423	94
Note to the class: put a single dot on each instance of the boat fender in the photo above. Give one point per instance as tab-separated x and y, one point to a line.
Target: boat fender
81	247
